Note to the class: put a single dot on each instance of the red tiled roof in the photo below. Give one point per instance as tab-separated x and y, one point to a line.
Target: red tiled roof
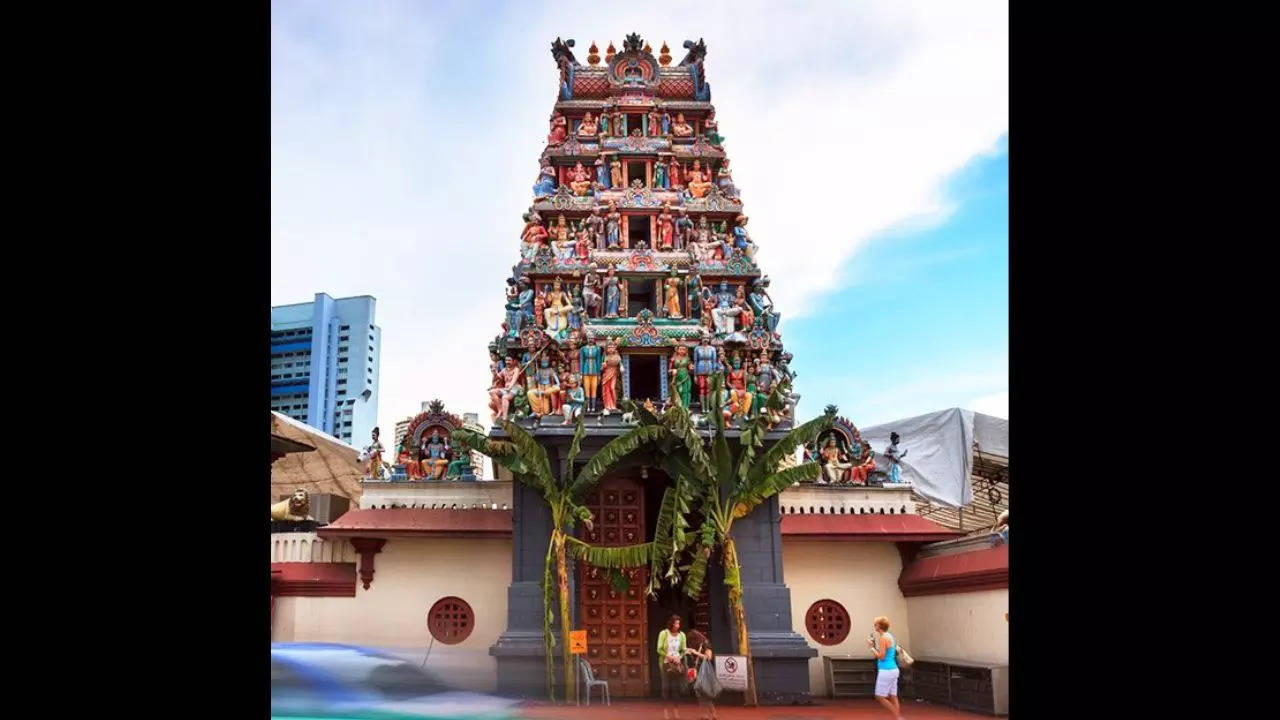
420	522
879	528
313	579
984	569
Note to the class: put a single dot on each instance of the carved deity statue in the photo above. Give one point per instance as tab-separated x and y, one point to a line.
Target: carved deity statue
612	293
682	376
588	127
655	122
611	376
546	382
672	284
741	238
836	463
660	180
596	223
602	173
591	291
680	128
558	132
673	170
704	366
698	181
435	455
683	228
613	227
666	229
615	174
589	363
546	184
573	401
557	310
726	310
580	180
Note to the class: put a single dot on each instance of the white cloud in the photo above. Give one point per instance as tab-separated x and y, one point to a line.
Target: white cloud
402	159
996	404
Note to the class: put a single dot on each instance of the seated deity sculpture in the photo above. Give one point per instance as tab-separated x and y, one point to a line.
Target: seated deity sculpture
680	128
699	181
588	127
580	180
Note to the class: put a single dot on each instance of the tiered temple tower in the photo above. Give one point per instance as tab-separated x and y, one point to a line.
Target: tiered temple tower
637	280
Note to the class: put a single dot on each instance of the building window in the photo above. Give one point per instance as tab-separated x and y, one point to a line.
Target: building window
344	338
345	327
368	381
370	350
450	620
343	381
827	622
341	360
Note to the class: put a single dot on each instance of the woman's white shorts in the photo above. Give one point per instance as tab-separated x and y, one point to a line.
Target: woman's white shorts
887	682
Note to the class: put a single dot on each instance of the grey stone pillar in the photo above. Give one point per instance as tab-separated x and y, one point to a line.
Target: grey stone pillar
781	655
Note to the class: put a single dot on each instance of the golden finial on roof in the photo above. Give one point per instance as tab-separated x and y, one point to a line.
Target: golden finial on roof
593	54
609	53
648	48
665	57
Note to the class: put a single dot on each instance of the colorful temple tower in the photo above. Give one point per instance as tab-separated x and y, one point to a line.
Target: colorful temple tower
637	281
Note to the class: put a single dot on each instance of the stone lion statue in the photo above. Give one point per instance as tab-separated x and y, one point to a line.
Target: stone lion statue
297	508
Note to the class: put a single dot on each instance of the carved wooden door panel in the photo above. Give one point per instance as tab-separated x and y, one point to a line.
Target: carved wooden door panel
615	620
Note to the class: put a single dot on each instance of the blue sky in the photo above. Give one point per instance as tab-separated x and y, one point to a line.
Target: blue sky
922	322
867	139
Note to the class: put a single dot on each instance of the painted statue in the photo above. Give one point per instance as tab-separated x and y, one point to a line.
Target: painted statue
582	247
615	174
746	318
460	466
612	227
514	315
835	462
612	294
694	286
588	127
557	310
295	508
763	304
711	129
666	123
683	228
579	180
373	454
591	291
680	128
574	399
589	362
681	376
737	378
604	122
619	123
558	132
666	229
673	169
525	301
406	457
540	306
895	459
602	173
660	175
699	182
672	284
533	236
726	310
704	366
546	184
741	238
611	376
655	122
546	382
596	224
509	385
724	179
435	454
577	309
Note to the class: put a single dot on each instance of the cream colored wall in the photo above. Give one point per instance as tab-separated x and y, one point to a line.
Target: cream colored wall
861	576
409	576
961	626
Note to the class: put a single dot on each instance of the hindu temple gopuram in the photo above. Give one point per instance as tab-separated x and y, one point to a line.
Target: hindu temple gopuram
637	279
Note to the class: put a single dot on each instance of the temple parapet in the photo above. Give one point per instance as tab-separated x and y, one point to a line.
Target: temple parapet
836	500
494	494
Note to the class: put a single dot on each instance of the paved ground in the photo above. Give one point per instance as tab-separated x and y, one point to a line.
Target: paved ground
822	710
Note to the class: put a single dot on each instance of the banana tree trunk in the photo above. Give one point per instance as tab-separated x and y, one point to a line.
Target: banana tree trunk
562	576
546	620
733	579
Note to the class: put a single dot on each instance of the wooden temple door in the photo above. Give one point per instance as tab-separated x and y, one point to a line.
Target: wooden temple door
615	620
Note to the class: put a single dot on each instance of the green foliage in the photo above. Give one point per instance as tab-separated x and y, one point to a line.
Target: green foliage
746	499
611	454
802	435
626	556
535	460
575	446
504	452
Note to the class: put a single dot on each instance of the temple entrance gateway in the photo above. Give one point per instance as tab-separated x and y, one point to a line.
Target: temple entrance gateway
613	611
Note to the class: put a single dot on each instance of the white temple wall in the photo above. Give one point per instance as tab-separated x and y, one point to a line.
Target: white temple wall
862	577
961	626
410	575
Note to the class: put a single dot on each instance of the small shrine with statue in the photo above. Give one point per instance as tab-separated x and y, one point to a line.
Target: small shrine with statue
426	452
637	275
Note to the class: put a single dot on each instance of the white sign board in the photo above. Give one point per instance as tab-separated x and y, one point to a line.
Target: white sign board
731	671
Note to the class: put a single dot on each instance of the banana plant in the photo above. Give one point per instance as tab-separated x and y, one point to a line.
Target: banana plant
726	486
528	462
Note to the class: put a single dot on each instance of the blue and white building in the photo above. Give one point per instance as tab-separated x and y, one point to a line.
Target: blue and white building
324	365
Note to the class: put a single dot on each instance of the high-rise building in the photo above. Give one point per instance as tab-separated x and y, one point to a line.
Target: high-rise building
324	365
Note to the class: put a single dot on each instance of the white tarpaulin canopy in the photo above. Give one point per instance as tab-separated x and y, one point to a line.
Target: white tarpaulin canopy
939	450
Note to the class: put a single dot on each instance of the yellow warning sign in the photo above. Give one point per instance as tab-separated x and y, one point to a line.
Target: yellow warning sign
577	641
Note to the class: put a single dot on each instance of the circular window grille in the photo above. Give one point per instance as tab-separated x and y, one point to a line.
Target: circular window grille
827	622
450	620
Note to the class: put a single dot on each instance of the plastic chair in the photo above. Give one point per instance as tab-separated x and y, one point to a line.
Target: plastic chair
589	681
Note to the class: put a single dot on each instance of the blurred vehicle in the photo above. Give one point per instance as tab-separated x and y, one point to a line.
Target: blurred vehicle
326	680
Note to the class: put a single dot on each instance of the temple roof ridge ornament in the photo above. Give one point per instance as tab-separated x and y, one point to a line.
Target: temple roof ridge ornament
561	49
